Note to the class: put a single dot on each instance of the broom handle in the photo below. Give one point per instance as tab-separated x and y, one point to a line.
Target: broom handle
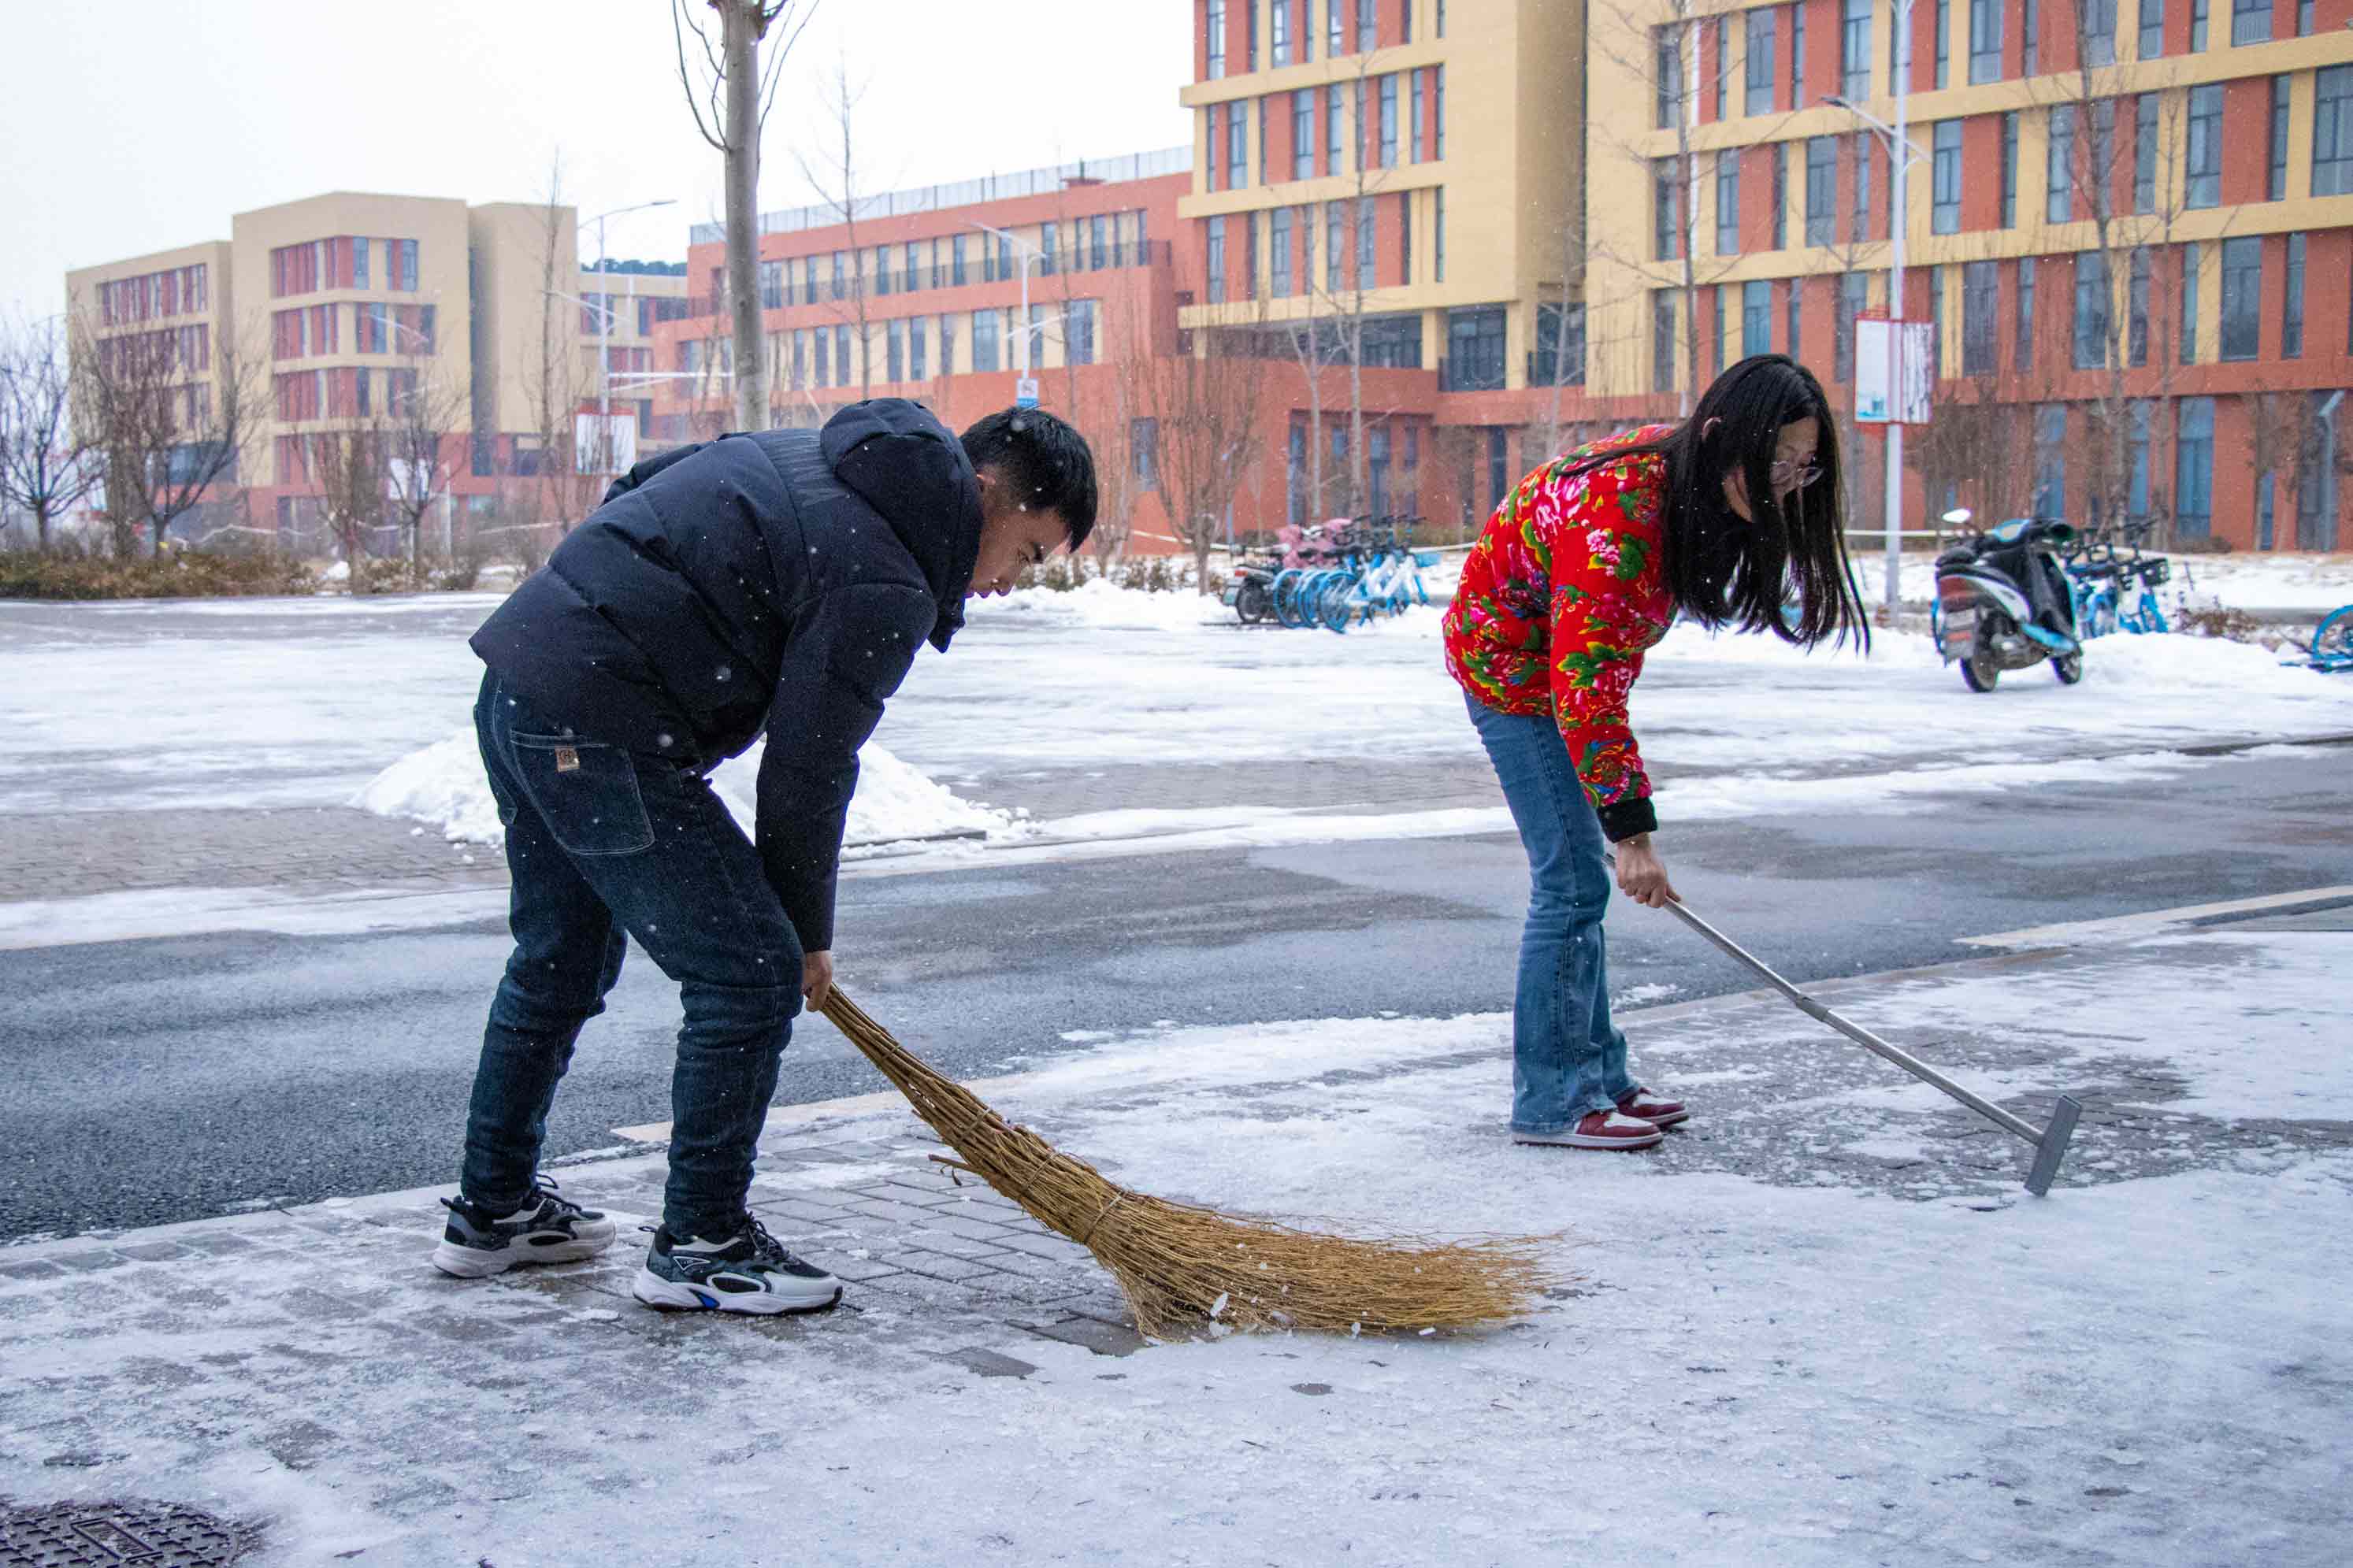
1855	1032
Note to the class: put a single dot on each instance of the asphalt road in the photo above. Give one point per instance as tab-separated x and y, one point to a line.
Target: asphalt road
160	1081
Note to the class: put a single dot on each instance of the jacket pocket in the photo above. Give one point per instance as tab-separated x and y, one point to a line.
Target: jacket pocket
586	791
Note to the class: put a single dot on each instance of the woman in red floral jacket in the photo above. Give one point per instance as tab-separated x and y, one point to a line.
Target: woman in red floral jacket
1579	572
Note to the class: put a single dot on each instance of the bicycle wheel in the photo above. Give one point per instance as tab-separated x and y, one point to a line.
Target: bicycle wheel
1287	597
2332	643
1338	603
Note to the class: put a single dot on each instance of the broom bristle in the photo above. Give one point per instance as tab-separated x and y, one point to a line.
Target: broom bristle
1182	1267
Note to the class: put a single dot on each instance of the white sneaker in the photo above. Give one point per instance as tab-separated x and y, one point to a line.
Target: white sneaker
548	1228
746	1272
1599	1130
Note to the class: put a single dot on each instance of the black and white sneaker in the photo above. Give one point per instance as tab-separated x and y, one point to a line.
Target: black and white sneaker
548	1228
749	1271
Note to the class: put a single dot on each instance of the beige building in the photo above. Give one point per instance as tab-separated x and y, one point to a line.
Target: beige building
351	310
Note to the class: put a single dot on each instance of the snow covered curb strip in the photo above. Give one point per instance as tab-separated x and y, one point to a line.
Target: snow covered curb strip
443	785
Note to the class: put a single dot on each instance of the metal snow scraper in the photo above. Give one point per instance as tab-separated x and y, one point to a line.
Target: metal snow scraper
2049	1143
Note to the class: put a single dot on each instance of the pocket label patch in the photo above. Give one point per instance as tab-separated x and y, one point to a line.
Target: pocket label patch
567	760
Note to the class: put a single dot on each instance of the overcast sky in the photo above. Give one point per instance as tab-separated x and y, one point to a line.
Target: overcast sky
145	124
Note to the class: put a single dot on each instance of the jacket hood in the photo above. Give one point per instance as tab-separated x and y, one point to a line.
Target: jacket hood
907	466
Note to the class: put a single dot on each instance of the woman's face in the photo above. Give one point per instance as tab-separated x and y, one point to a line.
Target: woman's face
1793	467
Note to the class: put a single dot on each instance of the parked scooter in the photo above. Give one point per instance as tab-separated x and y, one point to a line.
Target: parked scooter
2003	601
1250	589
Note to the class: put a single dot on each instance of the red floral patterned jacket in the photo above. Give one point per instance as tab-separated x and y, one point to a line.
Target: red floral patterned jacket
1561	596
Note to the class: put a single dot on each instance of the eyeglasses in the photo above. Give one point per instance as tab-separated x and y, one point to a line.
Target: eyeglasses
1786	475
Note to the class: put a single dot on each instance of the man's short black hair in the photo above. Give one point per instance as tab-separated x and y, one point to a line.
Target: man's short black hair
1045	461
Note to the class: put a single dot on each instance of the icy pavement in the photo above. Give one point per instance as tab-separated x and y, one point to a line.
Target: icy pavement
1821	1326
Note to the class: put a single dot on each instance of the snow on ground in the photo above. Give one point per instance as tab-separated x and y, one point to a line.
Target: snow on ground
2132	1370
305	702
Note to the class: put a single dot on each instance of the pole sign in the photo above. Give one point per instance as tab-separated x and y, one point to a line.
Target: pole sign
1891	380
1025	391
603	444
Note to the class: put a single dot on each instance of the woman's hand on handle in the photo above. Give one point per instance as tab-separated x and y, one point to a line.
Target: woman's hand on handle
817	978
1641	875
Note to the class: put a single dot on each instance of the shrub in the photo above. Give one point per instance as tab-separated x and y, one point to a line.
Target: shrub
2218	621
176	574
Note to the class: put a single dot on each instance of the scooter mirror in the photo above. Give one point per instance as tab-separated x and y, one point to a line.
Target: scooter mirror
1959	516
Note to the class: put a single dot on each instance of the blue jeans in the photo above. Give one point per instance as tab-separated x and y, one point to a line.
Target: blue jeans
1567	1058
605	845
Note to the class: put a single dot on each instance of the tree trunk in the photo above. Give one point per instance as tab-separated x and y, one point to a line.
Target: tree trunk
740	44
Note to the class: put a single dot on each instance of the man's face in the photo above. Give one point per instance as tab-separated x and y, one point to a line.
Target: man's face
1012	535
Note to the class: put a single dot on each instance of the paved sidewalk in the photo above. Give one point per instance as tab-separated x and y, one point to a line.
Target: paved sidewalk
1822	1326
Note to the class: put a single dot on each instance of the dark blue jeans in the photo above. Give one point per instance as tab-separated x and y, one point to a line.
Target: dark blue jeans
605	845
1567	1057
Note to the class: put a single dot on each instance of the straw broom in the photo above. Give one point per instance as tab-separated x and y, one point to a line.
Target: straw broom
1184	1268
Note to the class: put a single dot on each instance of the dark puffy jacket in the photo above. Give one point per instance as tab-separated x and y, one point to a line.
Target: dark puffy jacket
778	582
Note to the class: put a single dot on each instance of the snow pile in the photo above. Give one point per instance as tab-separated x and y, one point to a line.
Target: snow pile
443	784
1102	606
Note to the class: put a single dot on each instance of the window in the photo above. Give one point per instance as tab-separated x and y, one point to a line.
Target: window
1716	332
2145	153
1943	51
1215	262
1404	236
1662	340
1821	188
1332	129
1279	43
2197	26
1437	109
987	340
1780	195
1404	21
1474	349
1945	210
2189	278
1861	224
1416	137
1757	73
2059	206
2024	347
824	357
910	272
1718	78
1369	27
2142	417
1667	51
2243	288
842	374
1144	441
2050	459
1755	318
1249	255
1265	145
2278	191
2099	31
1360	129
1560	346
882	269
1336	39
2266	516
1389	121
1437	229
2009	170
1215	25
408	258
1335	245
1237	147
947	345
1303	134
1666	209
895	349
1797	54
1980	283
1279	252
1853	294
2250	22
1797	337
772	287
1499	469
1367	229
919	348
2193	484
1854	51
2332	132
2152	29
2029	36
2316	490
2092	310
2136	307
1985	40
1376	469
1727	202
1078	323
2291	302
1249	36
1935	323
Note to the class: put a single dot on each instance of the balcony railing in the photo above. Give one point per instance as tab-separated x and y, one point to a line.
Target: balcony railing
1076	262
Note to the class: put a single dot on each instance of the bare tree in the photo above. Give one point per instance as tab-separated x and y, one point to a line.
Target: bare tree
46	465
423	419
558	385
840	190
1204	407
166	432
730	110
351	470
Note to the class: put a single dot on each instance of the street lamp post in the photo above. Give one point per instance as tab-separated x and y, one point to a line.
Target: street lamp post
1023	397
1900	154
605	325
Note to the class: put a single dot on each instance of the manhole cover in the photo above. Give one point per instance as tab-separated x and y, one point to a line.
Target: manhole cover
102	1534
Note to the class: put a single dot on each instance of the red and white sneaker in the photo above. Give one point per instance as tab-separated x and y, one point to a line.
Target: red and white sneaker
1599	1130
1648	1107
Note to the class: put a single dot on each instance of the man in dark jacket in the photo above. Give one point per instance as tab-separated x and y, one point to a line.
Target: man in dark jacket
775	584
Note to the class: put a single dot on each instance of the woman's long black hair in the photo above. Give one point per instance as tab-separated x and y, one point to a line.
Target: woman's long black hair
1725	570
